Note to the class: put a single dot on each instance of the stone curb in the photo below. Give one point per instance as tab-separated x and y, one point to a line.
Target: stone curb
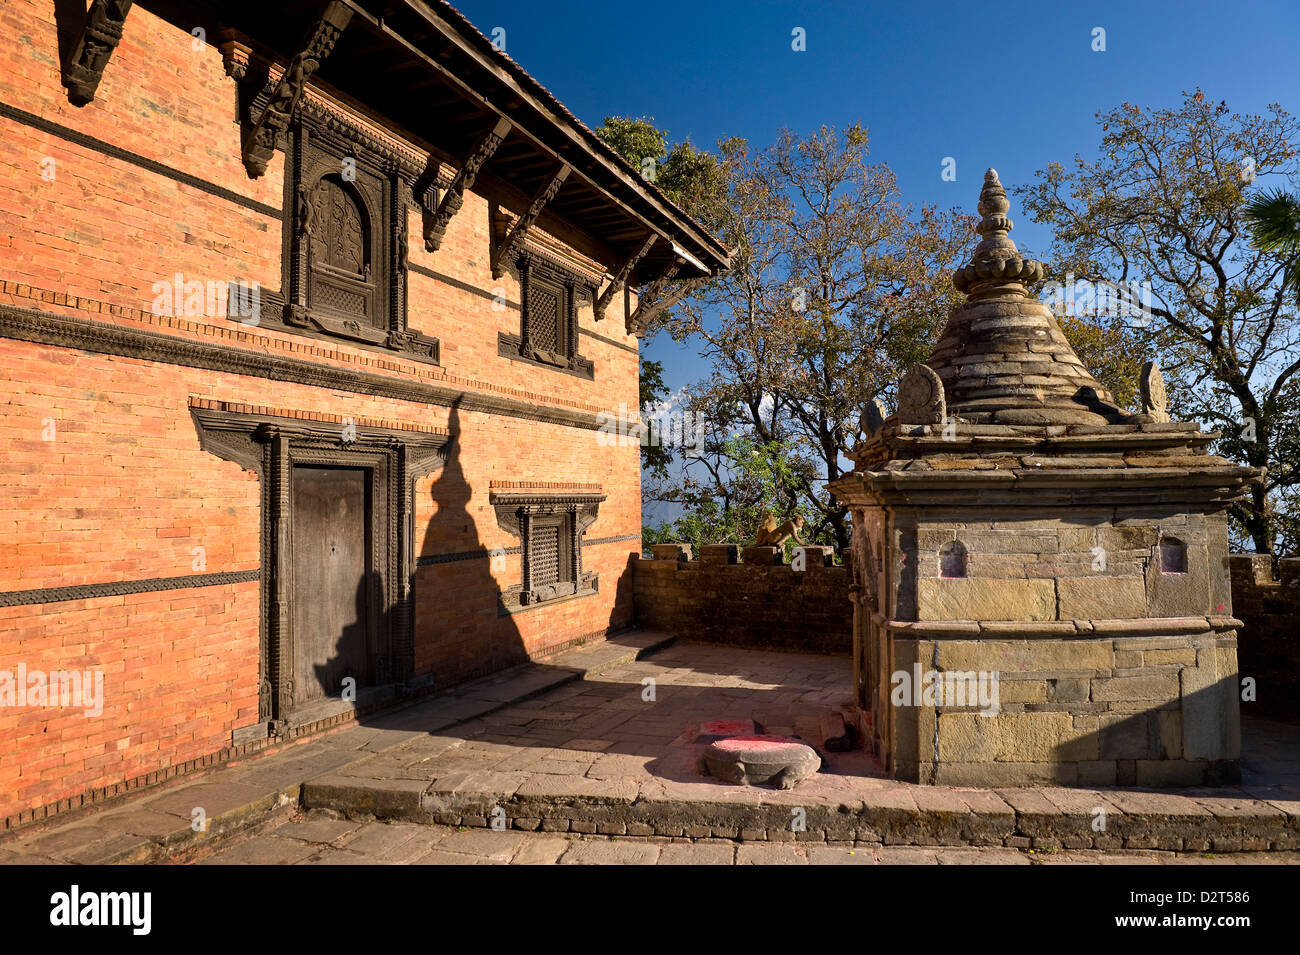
1133	820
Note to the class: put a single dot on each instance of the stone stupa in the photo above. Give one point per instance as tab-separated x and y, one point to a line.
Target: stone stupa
1013	527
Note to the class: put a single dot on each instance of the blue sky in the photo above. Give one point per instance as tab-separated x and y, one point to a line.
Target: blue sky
1009	86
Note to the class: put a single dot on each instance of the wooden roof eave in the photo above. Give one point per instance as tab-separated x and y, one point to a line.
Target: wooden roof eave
704	255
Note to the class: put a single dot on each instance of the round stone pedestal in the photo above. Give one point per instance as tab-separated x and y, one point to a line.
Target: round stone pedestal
748	760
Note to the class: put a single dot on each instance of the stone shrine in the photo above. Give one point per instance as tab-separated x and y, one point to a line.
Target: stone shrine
1016	533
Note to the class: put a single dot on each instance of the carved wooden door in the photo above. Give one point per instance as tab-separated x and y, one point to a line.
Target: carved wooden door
331	581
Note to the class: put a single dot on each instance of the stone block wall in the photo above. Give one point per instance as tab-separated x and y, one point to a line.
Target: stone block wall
1112	667
1095	563
1269	645
1112	711
763	606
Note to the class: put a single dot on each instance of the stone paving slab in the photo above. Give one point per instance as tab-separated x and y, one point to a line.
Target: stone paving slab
644	779
159	824
594	757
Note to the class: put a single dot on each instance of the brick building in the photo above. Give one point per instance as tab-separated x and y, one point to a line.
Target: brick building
307	324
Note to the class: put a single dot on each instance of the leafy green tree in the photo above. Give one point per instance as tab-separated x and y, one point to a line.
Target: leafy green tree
836	288
1165	202
746	479
689	177
655	458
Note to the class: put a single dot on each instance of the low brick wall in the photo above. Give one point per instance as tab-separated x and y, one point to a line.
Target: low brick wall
753	605
1268	647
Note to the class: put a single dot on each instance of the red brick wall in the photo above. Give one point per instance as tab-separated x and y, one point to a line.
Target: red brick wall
755	605
121	490
1268	646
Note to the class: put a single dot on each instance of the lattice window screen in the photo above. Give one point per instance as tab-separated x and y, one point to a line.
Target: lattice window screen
546	555
544	318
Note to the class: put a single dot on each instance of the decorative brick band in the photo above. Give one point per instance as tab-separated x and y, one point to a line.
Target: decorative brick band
612	540
526	486
66	331
452	558
150	165
116	588
235	407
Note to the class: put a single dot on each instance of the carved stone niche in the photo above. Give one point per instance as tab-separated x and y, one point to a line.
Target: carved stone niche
550	528
271	446
548	326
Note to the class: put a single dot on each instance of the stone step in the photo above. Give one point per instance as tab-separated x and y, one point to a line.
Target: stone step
896	815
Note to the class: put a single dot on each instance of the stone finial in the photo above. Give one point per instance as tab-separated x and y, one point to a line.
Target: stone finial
996	267
1155	400
920	397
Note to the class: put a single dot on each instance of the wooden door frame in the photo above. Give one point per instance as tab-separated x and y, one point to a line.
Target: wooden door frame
380	572
270	446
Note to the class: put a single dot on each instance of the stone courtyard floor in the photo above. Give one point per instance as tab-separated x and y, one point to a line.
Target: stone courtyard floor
591	757
319	840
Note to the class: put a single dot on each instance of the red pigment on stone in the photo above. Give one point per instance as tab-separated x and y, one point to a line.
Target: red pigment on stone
758	743
727	728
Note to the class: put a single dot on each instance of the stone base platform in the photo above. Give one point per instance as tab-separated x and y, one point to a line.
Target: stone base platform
587	745
826	810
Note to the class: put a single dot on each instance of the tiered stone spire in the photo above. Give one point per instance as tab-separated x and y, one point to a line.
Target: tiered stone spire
1002	357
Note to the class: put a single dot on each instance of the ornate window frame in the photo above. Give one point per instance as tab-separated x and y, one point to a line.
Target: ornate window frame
381	178
270	446
540	273
522	515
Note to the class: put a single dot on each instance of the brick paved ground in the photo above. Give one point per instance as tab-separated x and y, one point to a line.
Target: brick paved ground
316	839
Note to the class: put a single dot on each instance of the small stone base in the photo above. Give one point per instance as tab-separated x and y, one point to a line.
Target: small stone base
747	760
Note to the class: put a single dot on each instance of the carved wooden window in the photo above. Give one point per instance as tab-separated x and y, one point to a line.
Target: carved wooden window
550	529
545	328
348	199
341	253
550	556
548	328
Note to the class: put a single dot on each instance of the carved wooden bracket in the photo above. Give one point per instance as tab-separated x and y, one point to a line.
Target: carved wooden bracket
435	222
648	306
264	130
235	58
620	277
85	63
514	239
